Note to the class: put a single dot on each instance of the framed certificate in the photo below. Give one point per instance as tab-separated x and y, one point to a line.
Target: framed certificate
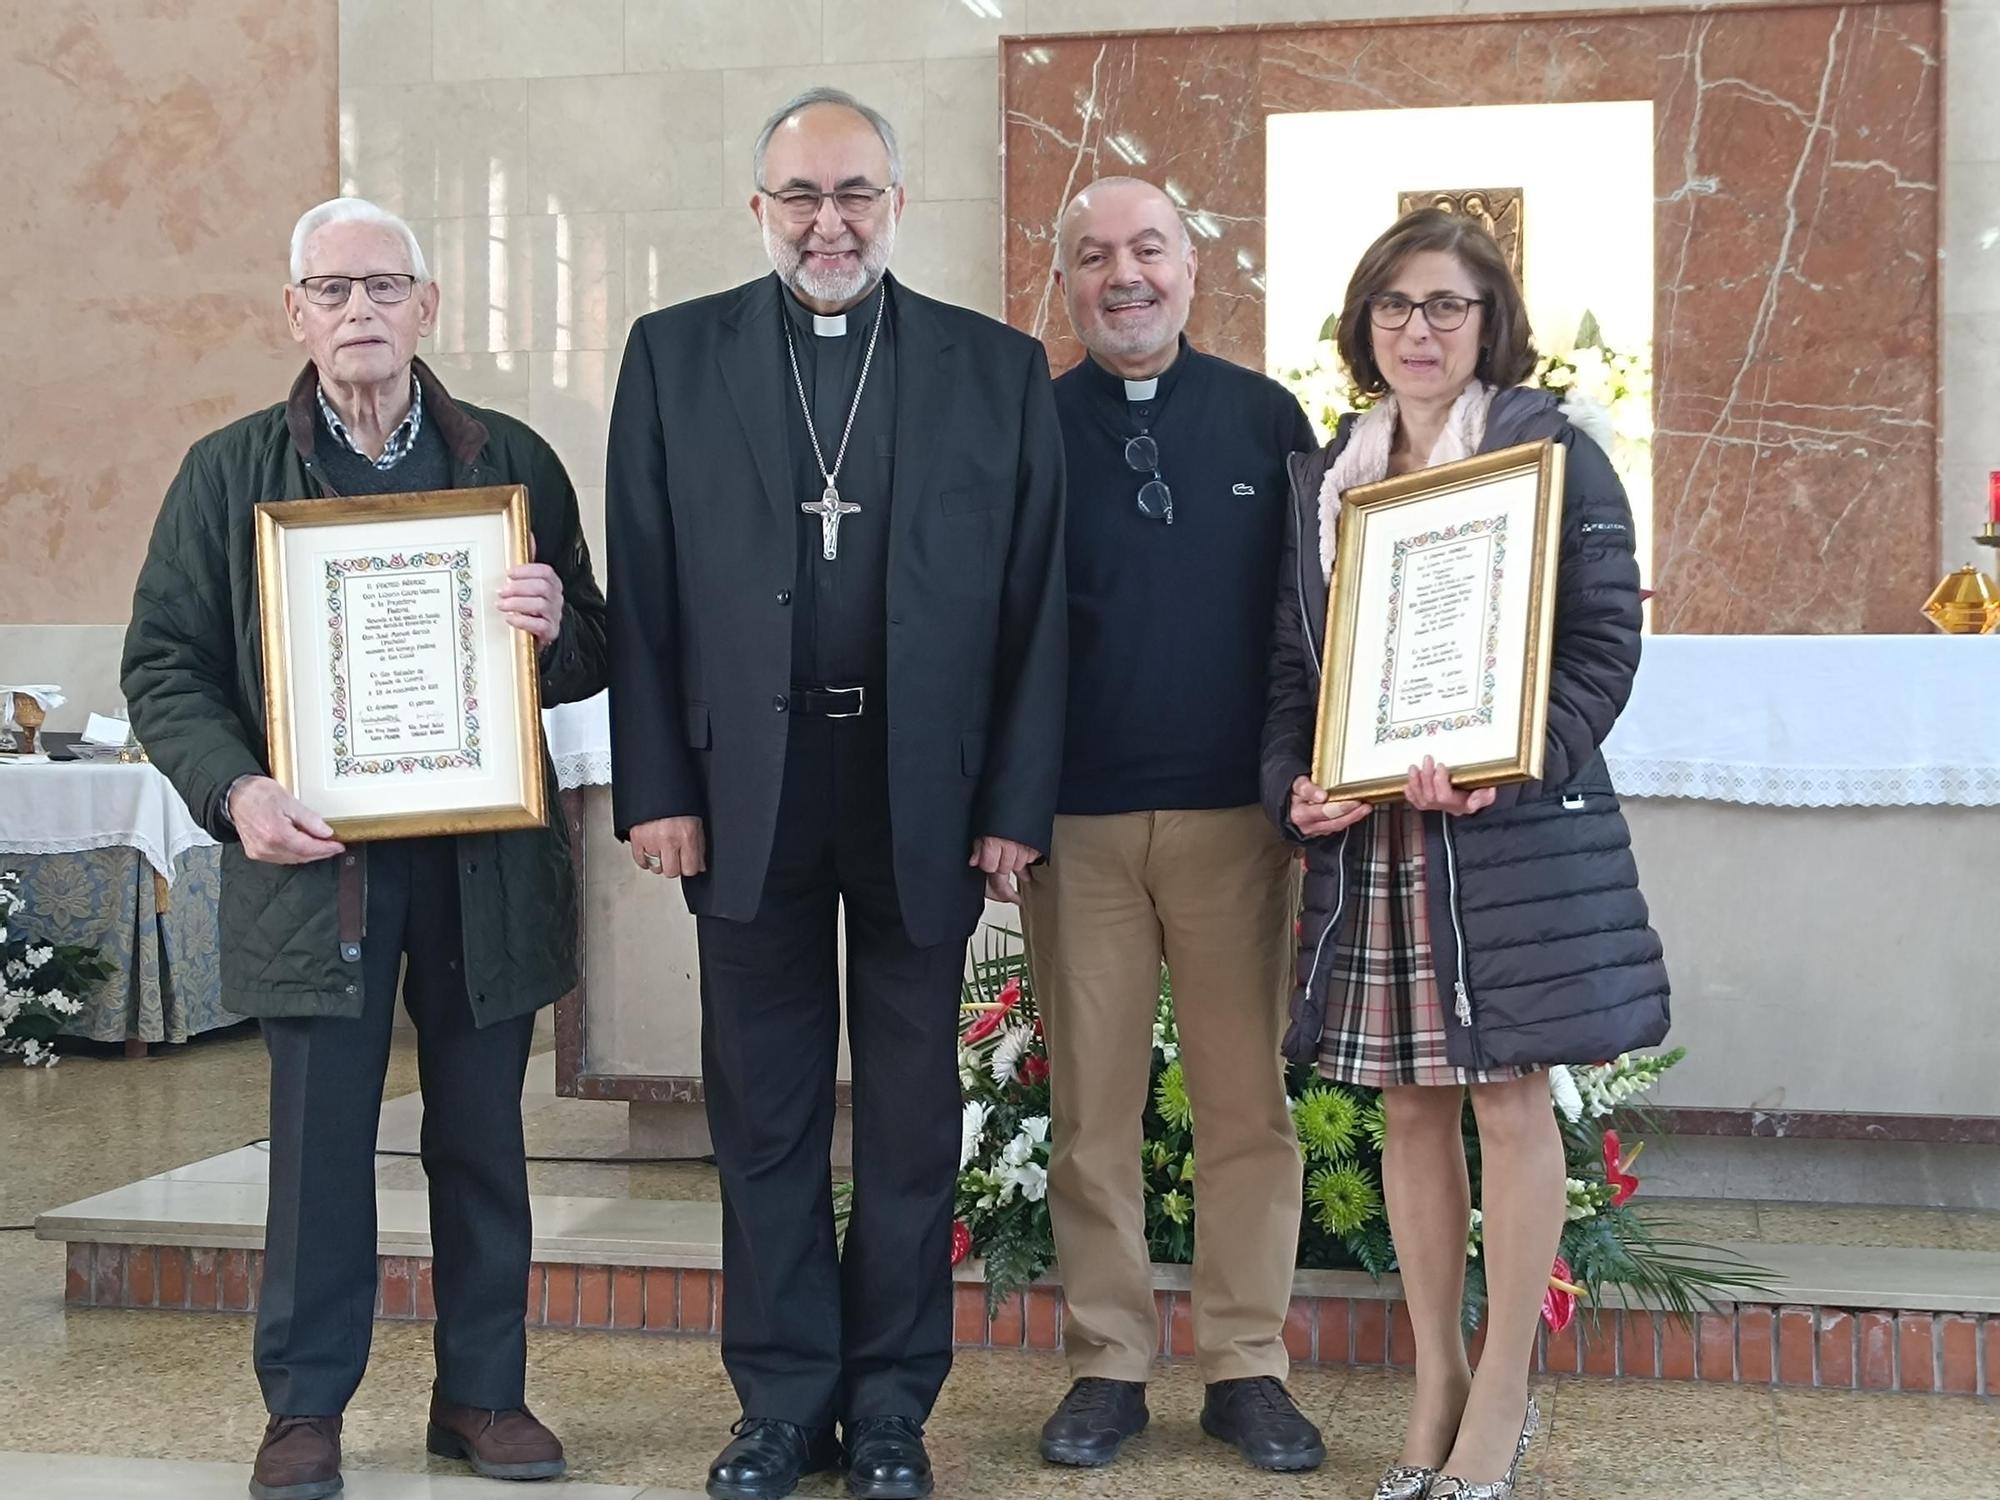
1439	624
397	700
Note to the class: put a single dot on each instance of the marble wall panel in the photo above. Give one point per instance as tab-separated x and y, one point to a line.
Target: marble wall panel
1797	233
156	157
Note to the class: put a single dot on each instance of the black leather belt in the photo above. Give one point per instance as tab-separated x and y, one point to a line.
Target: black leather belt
829	702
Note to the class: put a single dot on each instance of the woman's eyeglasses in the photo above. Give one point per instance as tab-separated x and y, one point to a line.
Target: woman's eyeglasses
1391	310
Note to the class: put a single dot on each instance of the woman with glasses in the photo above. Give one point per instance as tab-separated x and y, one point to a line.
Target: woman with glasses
1458	941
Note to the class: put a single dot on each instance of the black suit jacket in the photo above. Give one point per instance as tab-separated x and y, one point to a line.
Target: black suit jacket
702	533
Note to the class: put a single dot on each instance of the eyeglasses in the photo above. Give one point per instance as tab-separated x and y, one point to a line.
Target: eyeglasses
333	291
801	205
1390	310
1156	501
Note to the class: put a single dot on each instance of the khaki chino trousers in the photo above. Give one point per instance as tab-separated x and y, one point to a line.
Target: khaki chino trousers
1212	893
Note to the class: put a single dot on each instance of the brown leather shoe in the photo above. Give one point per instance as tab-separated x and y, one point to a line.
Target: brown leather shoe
498	1444
299	1459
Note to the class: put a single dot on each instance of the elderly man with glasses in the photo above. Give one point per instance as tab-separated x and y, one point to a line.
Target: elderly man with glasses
481	929
834	513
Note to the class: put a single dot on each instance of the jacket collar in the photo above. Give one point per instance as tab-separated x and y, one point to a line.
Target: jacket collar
464	434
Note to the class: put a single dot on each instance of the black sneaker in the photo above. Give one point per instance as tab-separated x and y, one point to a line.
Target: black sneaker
886	1459
766	1459
1094	1422
1259	1416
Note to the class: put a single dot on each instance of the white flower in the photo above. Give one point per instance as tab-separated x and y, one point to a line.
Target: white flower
1558	378
1033	1181
1582	1199
1562	1088
1036	1128
971	1126
1474	1235
39	956
1008	1051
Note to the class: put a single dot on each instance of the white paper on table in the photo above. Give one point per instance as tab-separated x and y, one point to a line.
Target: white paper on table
102	729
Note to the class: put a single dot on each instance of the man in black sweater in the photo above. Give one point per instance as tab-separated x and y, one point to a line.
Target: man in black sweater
1176	465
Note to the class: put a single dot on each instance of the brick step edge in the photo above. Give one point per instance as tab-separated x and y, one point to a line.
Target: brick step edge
1829	1347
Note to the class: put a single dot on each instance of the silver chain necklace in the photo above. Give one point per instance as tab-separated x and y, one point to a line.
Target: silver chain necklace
830	508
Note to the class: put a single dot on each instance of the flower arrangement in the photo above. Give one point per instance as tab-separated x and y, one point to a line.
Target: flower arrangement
1590	373
1003	1216
39	982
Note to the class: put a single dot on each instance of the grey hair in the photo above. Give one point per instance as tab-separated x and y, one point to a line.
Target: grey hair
353	211
825	95
1062	219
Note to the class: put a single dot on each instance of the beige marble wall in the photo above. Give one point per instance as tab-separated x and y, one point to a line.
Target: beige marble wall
157	154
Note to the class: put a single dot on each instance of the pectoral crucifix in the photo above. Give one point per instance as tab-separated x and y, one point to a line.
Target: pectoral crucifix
830	509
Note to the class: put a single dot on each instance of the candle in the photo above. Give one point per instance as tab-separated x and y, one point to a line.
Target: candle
1993	497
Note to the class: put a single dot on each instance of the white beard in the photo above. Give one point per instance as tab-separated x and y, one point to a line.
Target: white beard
1129	340
788	259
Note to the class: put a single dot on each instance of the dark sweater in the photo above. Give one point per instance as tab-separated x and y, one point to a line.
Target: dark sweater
427	466
1169	625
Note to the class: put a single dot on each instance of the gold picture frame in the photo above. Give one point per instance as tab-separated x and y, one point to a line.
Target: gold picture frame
397	702
1437	639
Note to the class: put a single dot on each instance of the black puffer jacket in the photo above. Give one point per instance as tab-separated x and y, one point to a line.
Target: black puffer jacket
1539	933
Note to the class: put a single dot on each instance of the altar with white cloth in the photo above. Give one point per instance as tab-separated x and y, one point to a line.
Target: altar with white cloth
1811	816
110	858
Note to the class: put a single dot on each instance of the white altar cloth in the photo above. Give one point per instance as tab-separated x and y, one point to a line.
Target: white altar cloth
1777	720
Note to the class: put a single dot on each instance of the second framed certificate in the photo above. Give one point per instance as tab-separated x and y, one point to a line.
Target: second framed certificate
397	700
1440	623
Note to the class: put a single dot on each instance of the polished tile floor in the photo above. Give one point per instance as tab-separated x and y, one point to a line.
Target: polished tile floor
171	1398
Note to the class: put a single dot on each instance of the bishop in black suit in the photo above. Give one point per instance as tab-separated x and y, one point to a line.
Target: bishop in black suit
837	633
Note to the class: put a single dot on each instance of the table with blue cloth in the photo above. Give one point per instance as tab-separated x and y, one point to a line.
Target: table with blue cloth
109	857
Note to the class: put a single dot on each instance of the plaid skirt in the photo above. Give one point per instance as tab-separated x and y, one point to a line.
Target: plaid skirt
1385	1017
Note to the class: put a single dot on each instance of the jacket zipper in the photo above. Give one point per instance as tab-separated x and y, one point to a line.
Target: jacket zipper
1333	921
1313	655
1463	996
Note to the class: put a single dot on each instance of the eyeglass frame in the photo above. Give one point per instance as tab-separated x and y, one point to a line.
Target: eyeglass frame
1166	502
798	195
305	285
1483	301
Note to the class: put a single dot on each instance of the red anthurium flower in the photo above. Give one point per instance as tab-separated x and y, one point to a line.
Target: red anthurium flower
1034	1069
1559	1301
1617	1169
961	1241
990	1018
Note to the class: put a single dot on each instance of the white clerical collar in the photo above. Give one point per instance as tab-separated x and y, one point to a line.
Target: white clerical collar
830	328
1142	390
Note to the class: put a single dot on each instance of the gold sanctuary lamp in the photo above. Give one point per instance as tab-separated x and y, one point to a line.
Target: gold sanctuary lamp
1966	600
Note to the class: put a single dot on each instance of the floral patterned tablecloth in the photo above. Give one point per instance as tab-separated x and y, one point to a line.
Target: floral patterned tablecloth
162	941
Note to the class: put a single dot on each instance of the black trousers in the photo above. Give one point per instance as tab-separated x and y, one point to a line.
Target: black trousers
813	1333
317	1309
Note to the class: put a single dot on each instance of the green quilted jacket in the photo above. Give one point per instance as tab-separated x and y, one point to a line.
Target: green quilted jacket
194	682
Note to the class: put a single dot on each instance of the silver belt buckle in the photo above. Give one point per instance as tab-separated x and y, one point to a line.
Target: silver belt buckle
860	702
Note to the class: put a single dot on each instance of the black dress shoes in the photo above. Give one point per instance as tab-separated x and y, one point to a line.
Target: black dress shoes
767	1458
886	1459
1259	1416
1094	1422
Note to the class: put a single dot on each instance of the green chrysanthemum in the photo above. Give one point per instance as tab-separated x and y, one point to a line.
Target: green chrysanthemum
1177	1206
1187	1168
1172	1097
1327	1120
1375	1125
1343	1199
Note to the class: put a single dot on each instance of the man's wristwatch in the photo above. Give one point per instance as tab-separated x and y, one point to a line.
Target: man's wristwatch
230	791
